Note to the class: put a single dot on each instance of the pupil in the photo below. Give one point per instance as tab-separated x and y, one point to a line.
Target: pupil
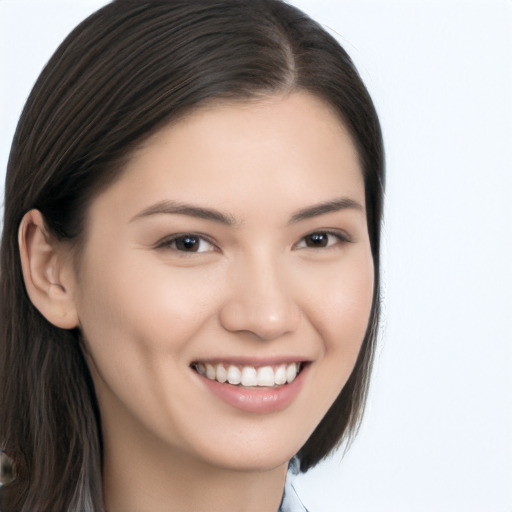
187	243
317	240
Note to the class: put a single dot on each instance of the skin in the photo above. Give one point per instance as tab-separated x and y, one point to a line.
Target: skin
255	289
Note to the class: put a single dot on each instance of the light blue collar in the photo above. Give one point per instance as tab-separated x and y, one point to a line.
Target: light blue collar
291	502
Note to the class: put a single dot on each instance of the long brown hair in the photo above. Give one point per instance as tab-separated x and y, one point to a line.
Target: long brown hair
122	74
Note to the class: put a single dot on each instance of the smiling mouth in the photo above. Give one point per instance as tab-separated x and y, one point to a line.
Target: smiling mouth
249	376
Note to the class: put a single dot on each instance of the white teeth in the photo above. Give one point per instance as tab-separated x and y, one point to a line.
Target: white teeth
234	375
266	376
249	376
210	371
291	373
280	376
221	374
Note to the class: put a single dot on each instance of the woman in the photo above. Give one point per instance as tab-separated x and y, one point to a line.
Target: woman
190	261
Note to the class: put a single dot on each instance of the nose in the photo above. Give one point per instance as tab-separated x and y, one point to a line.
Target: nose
260	303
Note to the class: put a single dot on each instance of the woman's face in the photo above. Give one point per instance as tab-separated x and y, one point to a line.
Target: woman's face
234	246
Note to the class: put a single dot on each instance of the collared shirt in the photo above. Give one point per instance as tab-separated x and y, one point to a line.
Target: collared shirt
291	502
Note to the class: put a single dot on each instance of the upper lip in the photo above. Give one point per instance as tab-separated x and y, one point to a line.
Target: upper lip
253	361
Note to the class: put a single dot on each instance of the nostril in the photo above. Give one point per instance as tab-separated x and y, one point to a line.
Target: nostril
266	320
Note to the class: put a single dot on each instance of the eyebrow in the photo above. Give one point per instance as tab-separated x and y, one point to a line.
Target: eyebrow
335	205
177	208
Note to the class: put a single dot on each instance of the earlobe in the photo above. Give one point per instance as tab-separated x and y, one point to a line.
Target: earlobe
46	272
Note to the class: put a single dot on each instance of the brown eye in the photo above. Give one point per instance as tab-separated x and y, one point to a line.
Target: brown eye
187	243
317	240
321	240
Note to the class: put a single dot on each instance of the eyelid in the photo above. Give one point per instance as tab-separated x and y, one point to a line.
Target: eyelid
166	242
342	236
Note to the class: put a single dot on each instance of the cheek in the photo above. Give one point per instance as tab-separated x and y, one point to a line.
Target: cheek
340	301
133	313
139	326
339	311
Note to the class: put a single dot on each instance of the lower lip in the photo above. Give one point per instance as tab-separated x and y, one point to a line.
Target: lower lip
257	400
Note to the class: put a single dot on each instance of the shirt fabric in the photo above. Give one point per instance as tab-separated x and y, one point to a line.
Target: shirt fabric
291	502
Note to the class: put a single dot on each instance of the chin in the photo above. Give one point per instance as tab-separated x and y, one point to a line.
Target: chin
251	456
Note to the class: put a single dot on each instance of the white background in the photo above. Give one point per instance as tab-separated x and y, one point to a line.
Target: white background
438	431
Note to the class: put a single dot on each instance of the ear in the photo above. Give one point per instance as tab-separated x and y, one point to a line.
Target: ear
47	271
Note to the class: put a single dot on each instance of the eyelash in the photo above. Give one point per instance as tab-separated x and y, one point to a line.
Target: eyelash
340	236
167	243
170	242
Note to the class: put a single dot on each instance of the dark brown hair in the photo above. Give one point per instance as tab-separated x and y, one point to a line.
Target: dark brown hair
122	74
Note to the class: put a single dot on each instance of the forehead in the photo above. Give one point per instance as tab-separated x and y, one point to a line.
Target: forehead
253	153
